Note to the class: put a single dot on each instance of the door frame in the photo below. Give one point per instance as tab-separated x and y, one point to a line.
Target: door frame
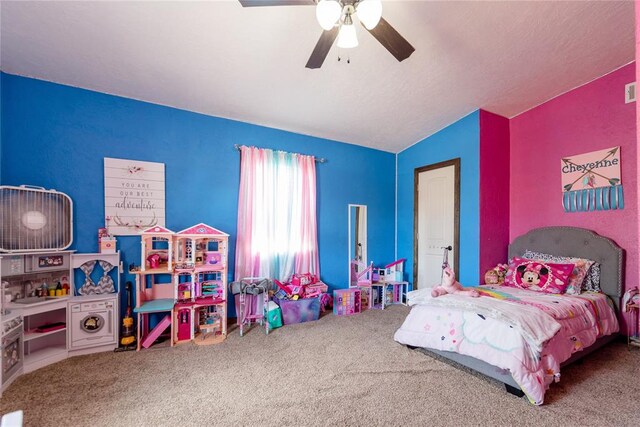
456	212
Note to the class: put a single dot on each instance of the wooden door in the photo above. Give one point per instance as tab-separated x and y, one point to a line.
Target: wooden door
436	220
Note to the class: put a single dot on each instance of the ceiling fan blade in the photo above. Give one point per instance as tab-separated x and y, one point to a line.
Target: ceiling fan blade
392	40
258	3
322	48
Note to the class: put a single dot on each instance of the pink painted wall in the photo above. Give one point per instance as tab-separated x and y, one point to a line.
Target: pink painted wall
591	117
637	4
494	190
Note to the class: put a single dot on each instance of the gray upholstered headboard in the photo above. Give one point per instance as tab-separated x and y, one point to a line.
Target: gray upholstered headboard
578	242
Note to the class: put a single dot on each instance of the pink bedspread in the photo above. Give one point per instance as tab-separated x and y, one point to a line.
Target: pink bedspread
486	329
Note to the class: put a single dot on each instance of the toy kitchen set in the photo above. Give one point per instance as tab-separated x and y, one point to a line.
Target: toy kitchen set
54	303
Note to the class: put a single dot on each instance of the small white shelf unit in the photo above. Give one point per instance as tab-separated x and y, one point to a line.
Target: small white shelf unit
43	348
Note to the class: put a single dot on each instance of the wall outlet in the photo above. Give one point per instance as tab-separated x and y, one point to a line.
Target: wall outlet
630	93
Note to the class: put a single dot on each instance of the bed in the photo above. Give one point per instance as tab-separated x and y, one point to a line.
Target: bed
542	356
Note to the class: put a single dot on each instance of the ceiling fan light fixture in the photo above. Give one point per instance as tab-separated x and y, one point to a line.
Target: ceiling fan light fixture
369	12
347	37
328	12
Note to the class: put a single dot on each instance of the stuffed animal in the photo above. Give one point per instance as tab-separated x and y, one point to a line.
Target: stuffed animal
451	286
496	275
491	277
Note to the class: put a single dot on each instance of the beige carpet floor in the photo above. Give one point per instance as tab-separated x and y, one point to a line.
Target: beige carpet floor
336	371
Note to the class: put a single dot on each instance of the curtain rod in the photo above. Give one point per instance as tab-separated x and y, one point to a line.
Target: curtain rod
317	159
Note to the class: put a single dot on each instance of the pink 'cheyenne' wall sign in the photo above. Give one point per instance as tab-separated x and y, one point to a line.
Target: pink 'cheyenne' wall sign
592	182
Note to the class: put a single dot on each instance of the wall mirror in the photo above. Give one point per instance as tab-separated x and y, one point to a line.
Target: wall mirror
357	239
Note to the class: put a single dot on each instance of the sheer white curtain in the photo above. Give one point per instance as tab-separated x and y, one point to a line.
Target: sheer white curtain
277	229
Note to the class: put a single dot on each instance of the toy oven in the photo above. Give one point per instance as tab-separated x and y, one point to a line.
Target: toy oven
12	354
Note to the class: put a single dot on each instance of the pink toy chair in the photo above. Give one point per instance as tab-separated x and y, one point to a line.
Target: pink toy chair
154	261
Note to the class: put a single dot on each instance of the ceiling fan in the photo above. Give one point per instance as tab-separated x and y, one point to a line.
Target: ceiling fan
336	19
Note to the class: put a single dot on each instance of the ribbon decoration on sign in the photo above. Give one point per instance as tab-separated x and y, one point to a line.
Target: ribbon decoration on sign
592	182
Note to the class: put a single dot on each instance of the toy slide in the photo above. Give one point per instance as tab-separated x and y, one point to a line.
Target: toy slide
155	332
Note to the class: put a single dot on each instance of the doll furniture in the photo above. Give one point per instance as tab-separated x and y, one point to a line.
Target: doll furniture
208	331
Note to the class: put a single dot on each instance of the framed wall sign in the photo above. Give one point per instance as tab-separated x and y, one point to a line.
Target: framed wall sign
592	181
134	195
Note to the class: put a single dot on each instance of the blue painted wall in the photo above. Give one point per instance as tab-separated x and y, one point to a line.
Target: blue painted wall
1	121
56	136
460	139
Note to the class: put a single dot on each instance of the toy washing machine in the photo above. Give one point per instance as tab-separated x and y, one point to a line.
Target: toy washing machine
93	322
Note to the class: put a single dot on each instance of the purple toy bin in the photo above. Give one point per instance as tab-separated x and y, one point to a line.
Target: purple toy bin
302	310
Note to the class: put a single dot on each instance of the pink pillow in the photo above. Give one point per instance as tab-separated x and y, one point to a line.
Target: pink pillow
538	276
578	277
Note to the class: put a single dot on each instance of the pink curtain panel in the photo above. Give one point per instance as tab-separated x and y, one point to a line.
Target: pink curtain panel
277	228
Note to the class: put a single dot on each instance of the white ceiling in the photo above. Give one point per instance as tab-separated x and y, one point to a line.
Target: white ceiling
248	64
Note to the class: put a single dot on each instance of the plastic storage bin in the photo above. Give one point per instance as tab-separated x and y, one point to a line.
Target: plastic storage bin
302	310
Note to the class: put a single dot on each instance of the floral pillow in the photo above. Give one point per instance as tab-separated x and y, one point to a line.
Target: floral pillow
585	275
538	276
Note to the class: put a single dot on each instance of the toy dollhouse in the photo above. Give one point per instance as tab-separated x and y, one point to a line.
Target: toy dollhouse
185	275
379	287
